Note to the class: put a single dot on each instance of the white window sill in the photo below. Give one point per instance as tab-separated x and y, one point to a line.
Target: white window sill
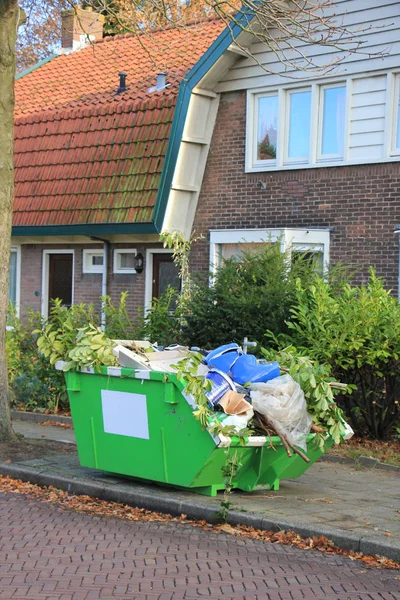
321	165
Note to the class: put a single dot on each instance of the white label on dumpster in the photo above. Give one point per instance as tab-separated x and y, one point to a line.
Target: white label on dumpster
125	414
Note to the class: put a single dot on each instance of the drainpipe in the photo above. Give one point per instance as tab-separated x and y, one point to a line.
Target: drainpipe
397	230
106	246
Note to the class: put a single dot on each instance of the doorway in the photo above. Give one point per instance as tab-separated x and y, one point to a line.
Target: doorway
161	272
58	278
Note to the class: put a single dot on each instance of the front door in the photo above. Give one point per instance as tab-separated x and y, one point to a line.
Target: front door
60	278
165	273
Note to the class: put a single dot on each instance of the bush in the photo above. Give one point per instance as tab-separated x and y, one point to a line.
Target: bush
356	330
33	383
249	297
119	324
163	322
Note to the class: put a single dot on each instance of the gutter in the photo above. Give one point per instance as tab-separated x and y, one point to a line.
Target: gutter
35	66
106	247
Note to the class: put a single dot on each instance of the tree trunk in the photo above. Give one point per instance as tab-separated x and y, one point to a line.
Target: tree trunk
9	18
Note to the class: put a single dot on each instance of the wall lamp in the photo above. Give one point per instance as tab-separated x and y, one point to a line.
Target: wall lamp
139	262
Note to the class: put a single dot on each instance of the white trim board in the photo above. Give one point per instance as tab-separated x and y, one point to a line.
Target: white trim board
148	284
17	248
44	302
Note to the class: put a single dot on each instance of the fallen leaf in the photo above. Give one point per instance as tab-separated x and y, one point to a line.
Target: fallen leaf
95	507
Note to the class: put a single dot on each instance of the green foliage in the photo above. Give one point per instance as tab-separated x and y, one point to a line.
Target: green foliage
229	469
356	330
319	389
92	349
162	323
70	335
57	335
196	385
119	324
249	297
34	384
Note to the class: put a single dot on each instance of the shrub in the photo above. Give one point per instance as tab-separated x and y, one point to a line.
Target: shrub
162	323
119	324
249	297
356	330
33	383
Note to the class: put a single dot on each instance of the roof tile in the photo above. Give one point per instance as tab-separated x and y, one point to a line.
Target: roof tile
86	155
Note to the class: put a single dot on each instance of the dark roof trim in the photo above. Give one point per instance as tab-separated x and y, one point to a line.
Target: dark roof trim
35	66
84	229
197	72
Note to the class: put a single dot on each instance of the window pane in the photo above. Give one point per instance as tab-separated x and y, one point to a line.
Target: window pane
313	257
127	261
299	124
97	260
398	122
333	121
12	284
267	128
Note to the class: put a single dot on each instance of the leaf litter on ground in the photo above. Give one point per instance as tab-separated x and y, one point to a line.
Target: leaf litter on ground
94	506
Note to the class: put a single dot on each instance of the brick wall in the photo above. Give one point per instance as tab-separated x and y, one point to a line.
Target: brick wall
361	203
87	287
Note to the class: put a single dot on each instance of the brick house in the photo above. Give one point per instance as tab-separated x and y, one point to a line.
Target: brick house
311	161
332	184
93	131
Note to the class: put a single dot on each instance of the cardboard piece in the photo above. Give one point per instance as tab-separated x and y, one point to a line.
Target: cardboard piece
234	403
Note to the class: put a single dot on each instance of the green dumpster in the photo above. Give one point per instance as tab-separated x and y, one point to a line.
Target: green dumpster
140	424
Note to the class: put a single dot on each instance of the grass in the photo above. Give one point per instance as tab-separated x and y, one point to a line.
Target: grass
386	452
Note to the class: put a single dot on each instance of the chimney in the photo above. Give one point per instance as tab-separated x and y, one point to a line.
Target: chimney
161	83
122	82
80	26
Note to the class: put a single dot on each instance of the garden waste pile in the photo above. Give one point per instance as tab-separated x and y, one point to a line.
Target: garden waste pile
244	396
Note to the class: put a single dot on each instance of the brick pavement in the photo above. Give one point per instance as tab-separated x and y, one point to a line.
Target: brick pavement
49	553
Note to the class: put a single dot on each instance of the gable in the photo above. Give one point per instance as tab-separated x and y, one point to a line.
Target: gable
85	156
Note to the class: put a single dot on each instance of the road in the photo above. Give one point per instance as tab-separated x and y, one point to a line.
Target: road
50	553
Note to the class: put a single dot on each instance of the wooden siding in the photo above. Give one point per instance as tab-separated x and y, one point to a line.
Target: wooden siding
381	25
367	118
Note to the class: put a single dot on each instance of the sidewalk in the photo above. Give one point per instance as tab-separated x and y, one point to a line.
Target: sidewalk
357	508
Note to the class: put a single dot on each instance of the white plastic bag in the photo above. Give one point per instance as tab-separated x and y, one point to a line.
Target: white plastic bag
282	401
238	422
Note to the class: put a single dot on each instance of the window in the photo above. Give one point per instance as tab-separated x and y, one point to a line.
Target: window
299	106
311	243
313	253
124	261
14	276
92	261
297	126
267	128
332	111
396	116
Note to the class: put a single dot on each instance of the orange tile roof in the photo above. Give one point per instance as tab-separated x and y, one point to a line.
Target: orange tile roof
86	155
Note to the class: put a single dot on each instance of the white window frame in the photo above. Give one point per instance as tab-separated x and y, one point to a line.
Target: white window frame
17	248
395	96
44	305
301	239
314	158
299	160
116	263
321	89
87	266
270	163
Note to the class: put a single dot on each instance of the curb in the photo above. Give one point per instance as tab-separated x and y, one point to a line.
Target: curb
363	461
19	415
160	501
